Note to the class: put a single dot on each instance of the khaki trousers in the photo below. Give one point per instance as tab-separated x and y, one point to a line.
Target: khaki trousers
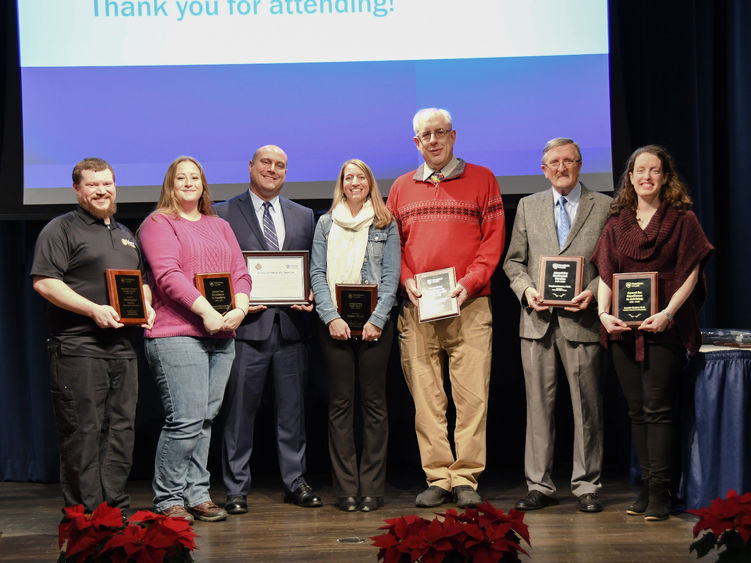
466	341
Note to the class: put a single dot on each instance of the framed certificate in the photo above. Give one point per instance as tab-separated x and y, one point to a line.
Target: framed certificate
217	289
355	303
125	291
560	279
279	277
635	297
436	302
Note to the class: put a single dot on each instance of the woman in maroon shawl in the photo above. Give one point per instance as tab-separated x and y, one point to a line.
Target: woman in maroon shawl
651	229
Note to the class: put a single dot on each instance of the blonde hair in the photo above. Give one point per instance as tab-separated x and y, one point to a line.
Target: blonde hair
382	215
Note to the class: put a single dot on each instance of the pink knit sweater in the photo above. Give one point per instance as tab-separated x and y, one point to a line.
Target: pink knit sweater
176	250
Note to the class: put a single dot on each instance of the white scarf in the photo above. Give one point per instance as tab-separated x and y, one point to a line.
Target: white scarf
348	240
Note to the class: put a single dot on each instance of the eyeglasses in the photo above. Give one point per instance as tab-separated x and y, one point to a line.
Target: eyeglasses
439	134
568	163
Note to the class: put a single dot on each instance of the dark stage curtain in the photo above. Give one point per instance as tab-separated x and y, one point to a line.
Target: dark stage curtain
681	77
28	449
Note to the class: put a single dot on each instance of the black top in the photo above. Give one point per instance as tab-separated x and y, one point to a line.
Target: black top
77	248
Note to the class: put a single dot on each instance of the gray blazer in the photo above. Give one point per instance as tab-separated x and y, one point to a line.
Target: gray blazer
533	236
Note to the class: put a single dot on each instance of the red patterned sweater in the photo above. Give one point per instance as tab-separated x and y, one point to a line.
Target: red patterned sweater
460	222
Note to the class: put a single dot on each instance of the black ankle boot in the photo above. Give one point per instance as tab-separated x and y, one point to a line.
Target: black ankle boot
659	501
639	506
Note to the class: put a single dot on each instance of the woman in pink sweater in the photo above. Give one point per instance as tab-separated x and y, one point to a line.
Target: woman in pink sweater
190	348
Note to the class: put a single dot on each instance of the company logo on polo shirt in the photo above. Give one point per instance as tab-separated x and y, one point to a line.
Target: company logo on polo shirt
128	242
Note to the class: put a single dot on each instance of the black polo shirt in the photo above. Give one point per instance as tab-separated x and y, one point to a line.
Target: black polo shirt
77	248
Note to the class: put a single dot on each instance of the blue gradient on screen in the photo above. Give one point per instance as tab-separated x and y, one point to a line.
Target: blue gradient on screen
141	118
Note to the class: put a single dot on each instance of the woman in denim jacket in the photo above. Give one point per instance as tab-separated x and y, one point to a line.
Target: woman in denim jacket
356	242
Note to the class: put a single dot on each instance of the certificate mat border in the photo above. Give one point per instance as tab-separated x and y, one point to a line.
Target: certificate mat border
303	255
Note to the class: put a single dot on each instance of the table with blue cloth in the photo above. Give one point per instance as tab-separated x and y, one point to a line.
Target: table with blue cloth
720	439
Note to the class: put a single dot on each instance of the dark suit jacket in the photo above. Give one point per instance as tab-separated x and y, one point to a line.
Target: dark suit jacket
533	236
299	225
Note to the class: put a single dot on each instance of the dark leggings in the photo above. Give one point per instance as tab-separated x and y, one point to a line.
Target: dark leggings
649	388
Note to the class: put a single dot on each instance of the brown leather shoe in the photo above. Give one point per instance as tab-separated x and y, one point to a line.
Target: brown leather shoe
208	512
178	511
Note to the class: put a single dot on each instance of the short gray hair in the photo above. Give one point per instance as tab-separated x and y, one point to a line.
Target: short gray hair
558	142
427	112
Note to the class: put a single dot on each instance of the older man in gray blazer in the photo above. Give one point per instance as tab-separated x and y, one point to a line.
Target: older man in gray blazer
565	220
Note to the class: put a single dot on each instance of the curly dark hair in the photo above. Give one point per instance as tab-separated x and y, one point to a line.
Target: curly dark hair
674	191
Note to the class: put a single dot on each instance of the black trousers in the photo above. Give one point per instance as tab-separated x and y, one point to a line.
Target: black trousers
345	361
95	409
649	388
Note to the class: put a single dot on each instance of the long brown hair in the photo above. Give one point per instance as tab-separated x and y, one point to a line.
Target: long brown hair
674	191
168	204
382	215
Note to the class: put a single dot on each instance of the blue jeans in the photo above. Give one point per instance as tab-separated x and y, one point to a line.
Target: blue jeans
191	374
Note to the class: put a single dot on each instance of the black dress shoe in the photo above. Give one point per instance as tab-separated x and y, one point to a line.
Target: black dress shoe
535	500
236	504
590	503
347	504
369	504
432	496
303	496
466	497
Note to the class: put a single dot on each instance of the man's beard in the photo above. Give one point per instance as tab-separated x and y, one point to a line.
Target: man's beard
97	212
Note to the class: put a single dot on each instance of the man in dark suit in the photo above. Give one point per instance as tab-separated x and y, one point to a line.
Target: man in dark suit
565	220
271	340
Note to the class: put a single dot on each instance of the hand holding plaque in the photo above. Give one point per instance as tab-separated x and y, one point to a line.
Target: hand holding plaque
560	280
435	301
217	289
355	303
635	297
125	290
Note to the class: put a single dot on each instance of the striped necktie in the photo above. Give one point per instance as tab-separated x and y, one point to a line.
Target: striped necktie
269	230
564	222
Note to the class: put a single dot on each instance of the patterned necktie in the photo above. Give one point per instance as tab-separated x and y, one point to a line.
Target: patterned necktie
564	223
269	231
436	177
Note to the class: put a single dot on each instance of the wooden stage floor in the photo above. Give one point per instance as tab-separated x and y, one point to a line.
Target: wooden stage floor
274	531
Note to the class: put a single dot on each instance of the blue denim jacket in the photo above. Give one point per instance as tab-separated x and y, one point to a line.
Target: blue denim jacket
382	265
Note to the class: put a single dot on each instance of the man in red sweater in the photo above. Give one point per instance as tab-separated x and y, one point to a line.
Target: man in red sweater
449	213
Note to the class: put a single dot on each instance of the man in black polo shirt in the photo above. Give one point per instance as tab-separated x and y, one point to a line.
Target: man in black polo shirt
93	365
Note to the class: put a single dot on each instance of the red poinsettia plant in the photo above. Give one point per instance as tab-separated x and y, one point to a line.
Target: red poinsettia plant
729	523
482	535
103	536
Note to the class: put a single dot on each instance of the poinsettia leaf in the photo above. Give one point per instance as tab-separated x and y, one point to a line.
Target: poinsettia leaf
413	542
743	525
474	531
517	519
72	512
384	540
107	516
146	516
